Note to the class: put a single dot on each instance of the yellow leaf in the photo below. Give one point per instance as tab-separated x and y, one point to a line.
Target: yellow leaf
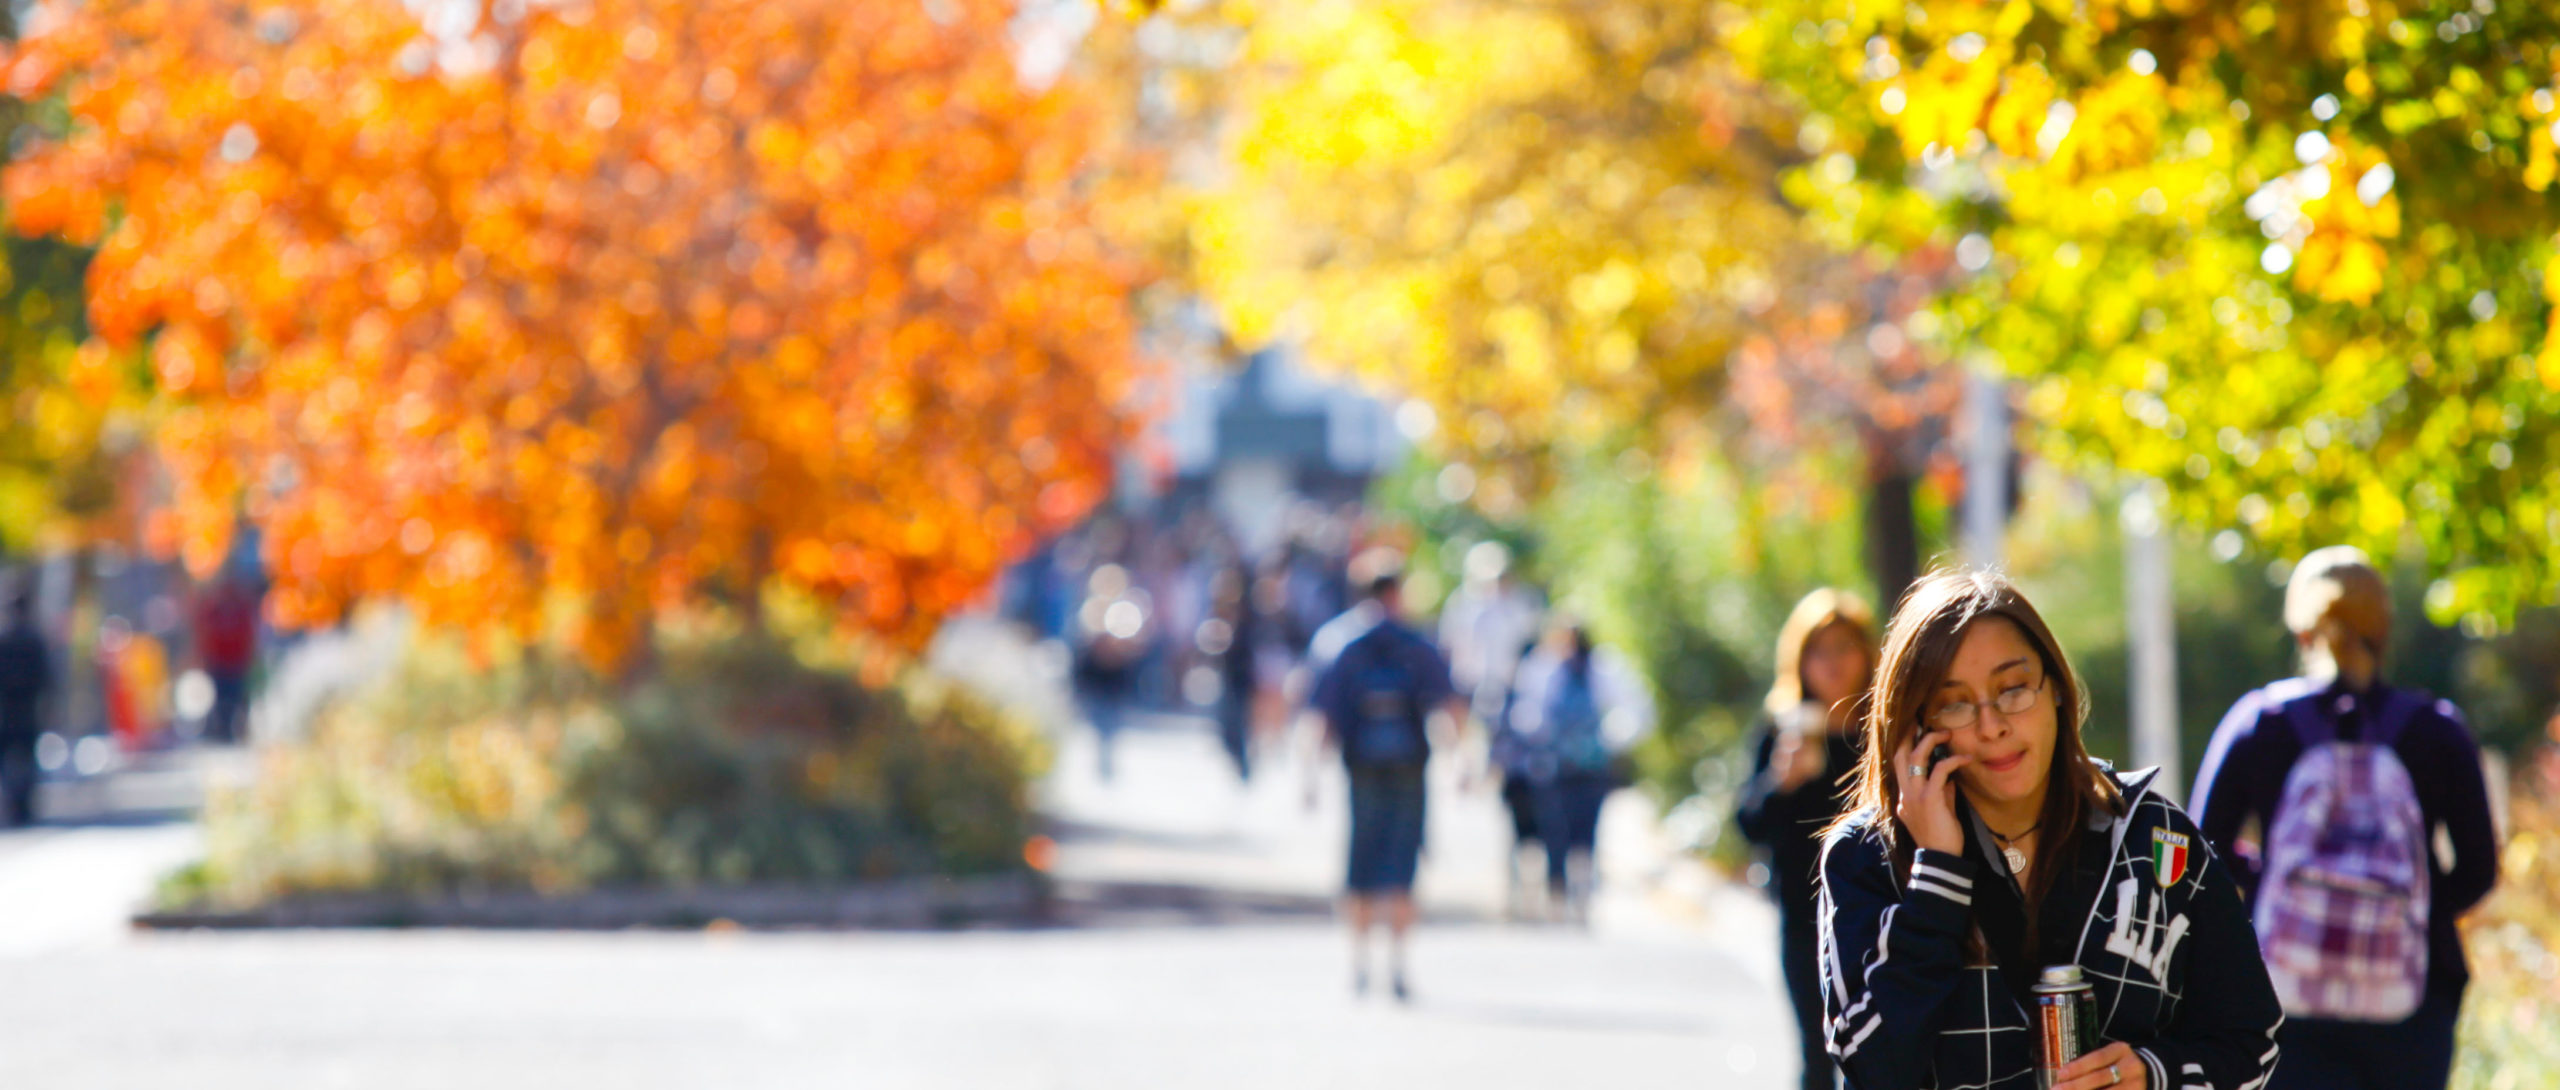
2341	268
2013	18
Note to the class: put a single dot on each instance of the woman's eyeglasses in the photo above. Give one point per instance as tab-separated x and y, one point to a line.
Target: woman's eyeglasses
2014	700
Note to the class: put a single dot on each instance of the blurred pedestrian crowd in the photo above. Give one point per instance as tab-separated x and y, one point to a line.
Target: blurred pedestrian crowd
103	656
1314	643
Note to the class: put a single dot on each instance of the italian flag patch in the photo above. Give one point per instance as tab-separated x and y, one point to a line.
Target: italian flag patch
2168	856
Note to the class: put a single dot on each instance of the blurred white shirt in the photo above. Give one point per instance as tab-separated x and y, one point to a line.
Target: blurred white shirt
1483	626
1626	704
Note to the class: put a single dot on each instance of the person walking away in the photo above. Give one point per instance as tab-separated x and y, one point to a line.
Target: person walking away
26	680
1274	658
1581	708
1112	633
1487	626
1228	639
1508	755
2351	781
1804	748
1374	698
1483	627
227	646
1986	853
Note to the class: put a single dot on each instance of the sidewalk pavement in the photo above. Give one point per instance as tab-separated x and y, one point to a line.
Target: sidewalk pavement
1174	814
1674	984
100	844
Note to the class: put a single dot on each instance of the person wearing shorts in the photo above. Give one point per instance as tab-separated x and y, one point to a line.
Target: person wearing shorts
1375	697
1387	813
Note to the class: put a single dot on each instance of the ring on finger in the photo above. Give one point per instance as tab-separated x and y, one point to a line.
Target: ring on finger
1919	770
2114	1076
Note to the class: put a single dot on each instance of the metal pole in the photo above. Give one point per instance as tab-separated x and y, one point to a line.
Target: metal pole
2150	624
1986	468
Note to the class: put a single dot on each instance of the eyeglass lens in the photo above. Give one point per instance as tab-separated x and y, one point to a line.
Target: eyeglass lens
2011	701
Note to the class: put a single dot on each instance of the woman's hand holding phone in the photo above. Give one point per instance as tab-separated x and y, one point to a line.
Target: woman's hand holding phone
1928	792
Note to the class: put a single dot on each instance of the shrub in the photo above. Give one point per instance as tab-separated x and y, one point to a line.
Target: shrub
2511	1015
737	760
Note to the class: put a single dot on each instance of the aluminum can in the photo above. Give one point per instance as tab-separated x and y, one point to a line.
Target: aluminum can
2066	1021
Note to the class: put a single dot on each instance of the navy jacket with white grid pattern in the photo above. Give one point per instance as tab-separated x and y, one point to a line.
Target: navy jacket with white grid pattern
2172	957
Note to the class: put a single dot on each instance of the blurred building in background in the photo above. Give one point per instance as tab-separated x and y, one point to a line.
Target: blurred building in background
1247	443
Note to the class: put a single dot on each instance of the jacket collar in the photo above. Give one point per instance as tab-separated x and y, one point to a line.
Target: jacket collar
2134	785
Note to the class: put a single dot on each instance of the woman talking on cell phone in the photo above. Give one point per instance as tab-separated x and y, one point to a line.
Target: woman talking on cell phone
1983	847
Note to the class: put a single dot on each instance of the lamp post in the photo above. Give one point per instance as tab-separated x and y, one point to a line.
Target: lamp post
2152	636
1986	467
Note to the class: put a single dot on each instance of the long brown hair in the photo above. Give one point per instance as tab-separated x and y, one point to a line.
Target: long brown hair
1812	617
1919	647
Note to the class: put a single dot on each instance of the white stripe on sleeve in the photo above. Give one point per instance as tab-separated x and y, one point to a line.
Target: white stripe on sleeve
1884	951
1926	885
1851	1049
2158	1075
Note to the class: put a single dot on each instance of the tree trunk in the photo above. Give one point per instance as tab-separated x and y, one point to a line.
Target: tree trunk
1893	536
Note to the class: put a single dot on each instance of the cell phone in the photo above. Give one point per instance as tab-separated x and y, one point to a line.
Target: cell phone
1939	753
1805	718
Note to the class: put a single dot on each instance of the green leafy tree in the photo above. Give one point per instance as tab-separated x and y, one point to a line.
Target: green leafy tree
2289	257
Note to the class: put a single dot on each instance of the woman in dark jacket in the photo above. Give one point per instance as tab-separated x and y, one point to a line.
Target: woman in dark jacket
1986	845
1806	745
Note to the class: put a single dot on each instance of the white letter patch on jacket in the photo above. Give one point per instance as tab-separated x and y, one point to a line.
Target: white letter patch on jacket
2140	936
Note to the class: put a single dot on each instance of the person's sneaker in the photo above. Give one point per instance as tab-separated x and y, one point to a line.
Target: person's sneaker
1396	984
1359	981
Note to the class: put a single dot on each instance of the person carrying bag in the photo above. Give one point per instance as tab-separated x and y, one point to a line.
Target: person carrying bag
2351	780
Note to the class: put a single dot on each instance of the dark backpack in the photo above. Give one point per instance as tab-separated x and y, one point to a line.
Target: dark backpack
1382	705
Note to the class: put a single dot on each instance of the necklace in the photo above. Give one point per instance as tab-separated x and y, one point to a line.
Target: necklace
2009	847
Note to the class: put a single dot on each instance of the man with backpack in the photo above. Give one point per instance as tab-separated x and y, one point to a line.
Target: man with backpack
1376	696
1576	710
2351	781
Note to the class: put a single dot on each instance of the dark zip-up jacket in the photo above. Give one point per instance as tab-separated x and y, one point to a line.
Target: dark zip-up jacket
2166	944
1790	823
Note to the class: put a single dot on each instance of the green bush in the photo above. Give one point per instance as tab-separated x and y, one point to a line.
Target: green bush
737	760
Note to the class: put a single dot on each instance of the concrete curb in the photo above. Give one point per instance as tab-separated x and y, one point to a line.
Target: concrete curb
920	904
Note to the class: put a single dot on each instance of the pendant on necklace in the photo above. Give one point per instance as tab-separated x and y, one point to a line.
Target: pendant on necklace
2017	859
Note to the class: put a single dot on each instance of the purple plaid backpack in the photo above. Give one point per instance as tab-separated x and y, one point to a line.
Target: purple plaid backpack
2342	908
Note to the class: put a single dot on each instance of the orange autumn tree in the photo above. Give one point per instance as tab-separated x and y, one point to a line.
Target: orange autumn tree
577	311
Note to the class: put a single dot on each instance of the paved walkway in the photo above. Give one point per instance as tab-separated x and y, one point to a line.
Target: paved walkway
71	881
1674	985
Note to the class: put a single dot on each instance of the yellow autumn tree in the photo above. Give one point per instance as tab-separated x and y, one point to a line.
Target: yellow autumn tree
576	312
1551	220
